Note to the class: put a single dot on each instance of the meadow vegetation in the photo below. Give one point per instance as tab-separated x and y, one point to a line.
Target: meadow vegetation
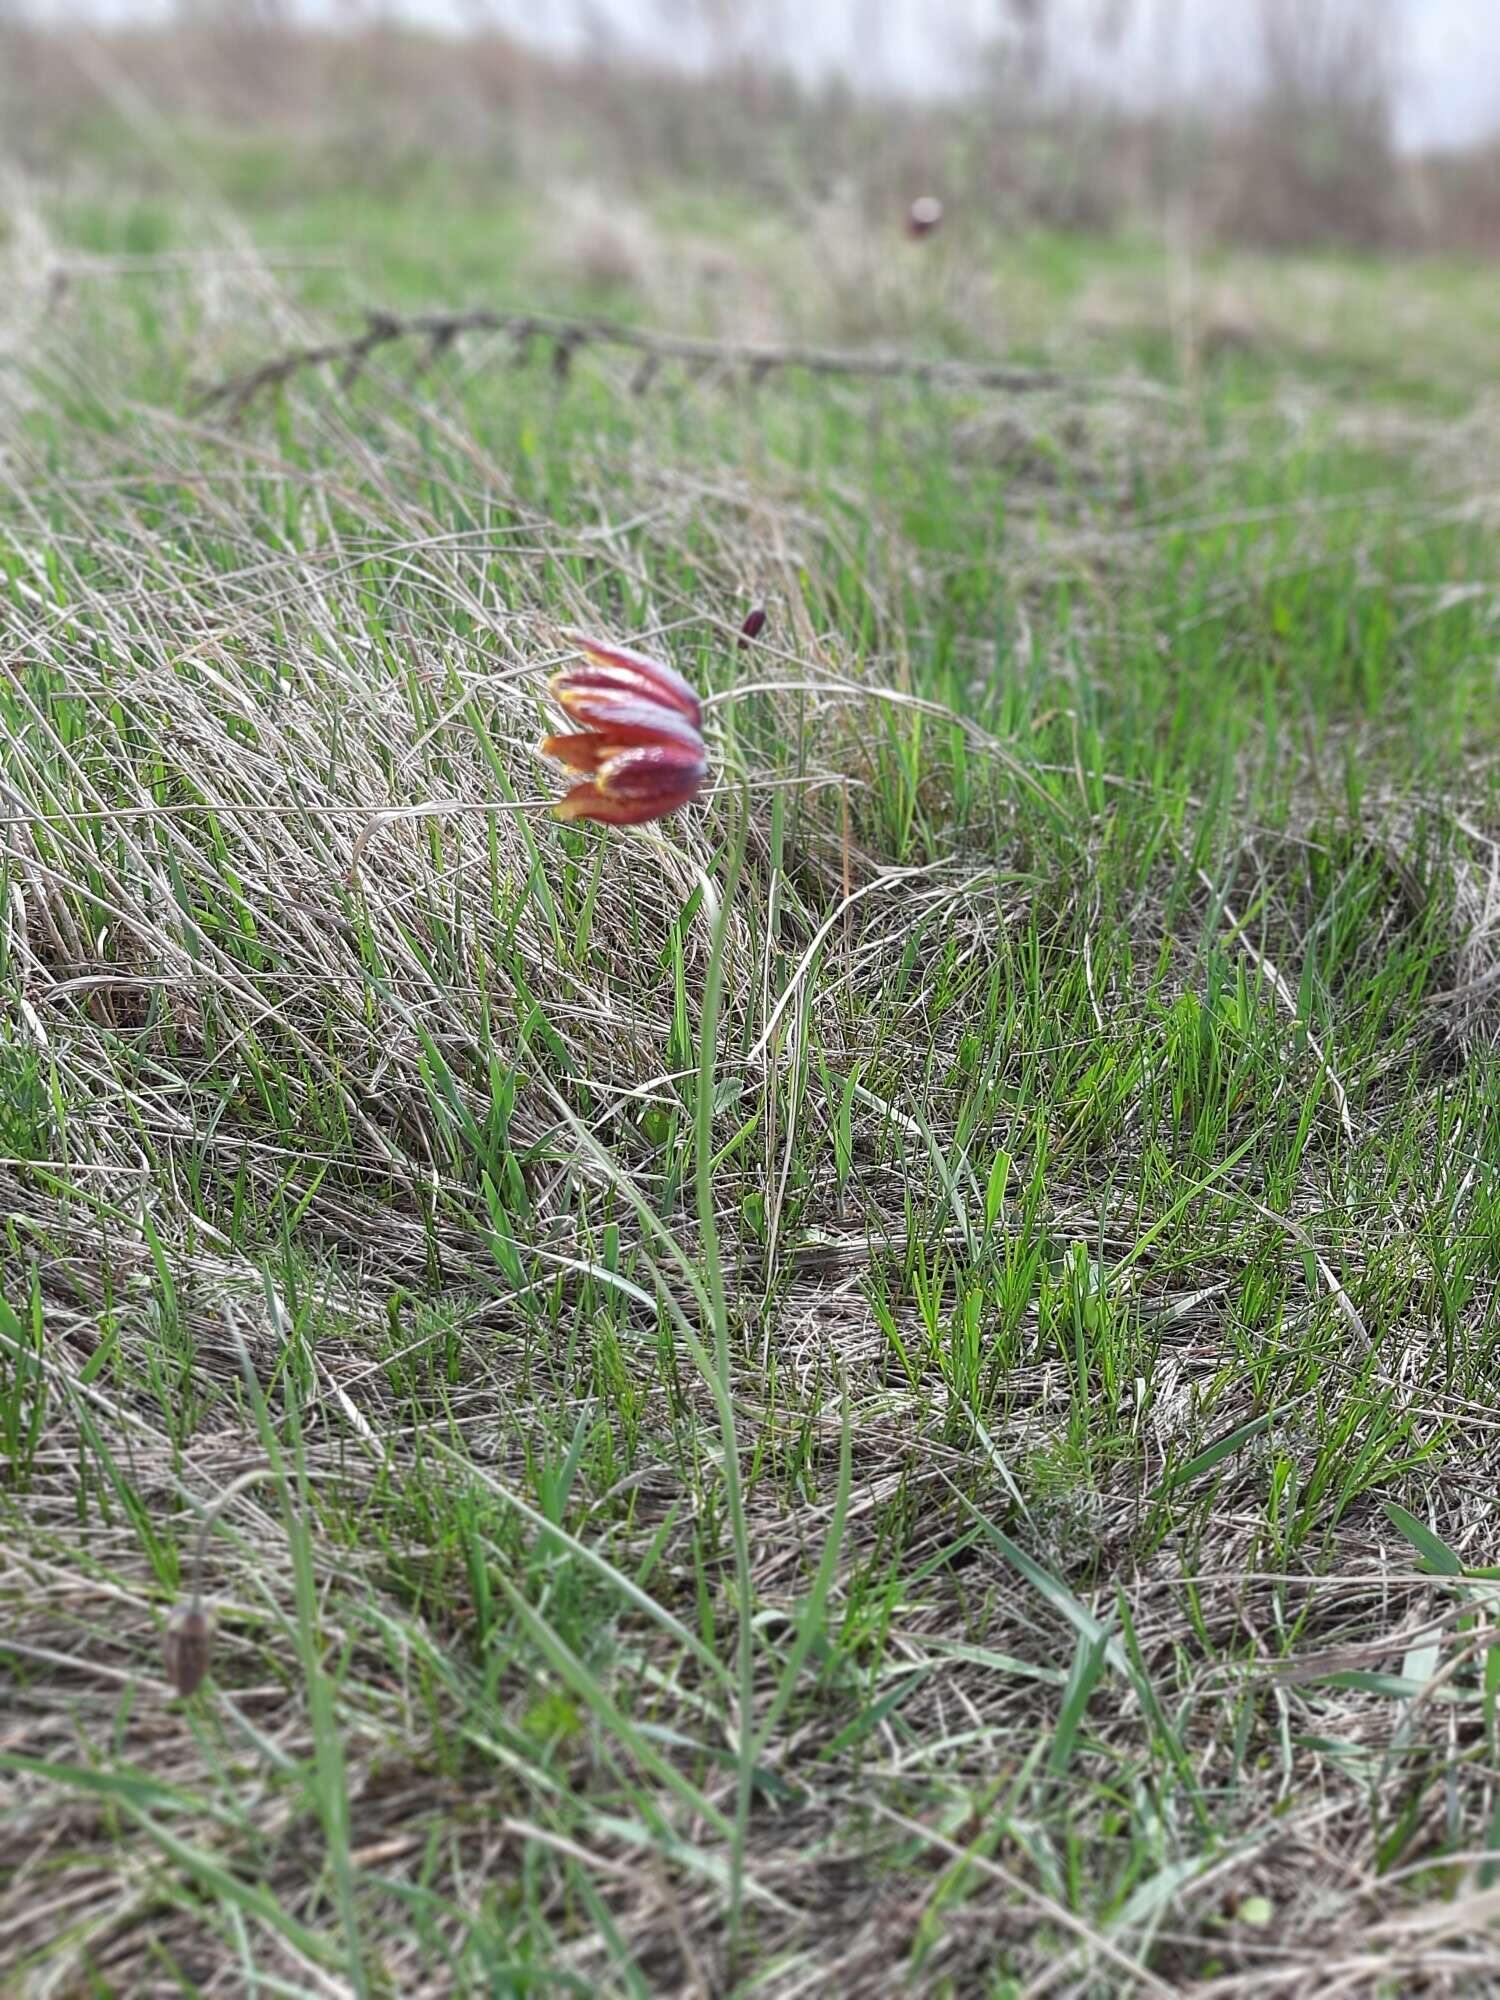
887	1388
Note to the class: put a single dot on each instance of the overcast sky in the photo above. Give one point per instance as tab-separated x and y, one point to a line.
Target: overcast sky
1449	68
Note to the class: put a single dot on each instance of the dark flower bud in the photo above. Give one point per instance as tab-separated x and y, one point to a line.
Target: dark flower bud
188	1647
755	623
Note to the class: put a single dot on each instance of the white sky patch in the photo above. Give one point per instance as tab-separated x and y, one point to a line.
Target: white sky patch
1448	81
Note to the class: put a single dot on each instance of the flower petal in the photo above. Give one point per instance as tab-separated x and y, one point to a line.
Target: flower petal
656	770
624	719
637	673
580	753
636	785
586	801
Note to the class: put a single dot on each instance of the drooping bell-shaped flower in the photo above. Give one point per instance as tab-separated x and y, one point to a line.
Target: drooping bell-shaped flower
639	739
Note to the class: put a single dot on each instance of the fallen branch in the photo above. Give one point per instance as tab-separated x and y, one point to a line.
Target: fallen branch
565	338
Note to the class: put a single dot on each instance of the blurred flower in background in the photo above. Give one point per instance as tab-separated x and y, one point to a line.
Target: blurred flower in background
924	215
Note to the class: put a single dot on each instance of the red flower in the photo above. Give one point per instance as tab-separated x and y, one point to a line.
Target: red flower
640	739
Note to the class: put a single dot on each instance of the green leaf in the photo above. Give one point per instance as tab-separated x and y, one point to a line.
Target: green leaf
1433	1550
994	1194
1088	1664
1221	1448
811	1622
133	1789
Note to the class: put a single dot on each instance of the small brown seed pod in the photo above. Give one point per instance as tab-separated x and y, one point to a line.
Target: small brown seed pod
187	1647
